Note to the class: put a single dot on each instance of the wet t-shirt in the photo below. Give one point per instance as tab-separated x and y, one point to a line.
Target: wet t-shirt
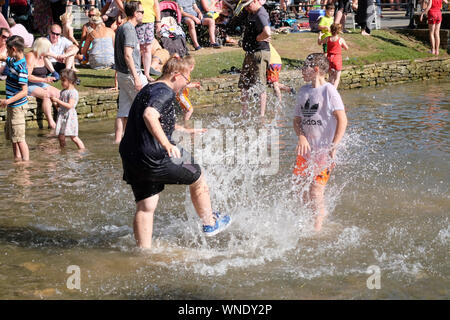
138	142
316	106
254	25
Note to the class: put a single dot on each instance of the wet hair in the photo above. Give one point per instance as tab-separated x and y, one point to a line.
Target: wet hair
16	42
70	75
190	60
336	28
318	60
329	6
41	45
131	7
176	64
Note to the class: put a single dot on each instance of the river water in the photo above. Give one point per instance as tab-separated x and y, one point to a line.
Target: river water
388	202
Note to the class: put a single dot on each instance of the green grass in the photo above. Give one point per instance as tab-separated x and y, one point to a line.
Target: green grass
382	46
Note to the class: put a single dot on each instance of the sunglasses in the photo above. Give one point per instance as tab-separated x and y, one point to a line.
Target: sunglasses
55	33
5	37
140	11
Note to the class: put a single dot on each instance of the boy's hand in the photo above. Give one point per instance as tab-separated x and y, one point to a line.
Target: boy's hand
3	103
173	151
196	85
303	146
421	16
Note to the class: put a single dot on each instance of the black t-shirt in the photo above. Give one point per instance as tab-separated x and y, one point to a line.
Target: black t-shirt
138	143
254	25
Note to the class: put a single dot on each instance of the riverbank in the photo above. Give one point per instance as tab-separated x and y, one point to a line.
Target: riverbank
102	104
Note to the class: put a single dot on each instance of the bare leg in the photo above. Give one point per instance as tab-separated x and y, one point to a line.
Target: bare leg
431	28
276	89
62	140
143	221
318	203
337	78
120	129
16	152
146	52
188	115
202	201
437	38
192	32
244	101
211	29
263	102
43	94
78	142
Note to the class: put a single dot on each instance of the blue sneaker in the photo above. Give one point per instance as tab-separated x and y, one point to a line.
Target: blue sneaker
222	222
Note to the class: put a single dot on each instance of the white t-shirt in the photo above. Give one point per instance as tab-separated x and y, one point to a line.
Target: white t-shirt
60	47
316	106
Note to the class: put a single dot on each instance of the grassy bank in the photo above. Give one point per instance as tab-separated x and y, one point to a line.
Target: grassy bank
383	45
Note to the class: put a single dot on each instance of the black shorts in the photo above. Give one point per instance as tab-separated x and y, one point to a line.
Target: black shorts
147	181
344	4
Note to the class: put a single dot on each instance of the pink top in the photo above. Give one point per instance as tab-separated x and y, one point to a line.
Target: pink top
20	30
436	5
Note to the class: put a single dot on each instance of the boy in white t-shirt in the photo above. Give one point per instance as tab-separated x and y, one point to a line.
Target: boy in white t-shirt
319	122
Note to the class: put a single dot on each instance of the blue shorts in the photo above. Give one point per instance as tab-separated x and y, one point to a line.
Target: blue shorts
34	85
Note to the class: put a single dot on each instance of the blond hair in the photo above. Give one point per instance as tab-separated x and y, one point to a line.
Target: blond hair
41	46
190	60
176	65
97	20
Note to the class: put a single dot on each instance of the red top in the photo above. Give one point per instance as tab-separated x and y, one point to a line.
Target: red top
436	5
334	47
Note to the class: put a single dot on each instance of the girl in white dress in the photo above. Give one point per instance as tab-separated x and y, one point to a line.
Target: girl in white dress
67	122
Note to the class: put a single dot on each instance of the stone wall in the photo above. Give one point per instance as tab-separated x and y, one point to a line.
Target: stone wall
223	90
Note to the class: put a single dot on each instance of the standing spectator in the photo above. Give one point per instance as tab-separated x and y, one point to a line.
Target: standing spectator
146	33
364	15
344	7
101	55
67	29
193	16
58	8
433	11
127	59
62	52
42	14
19	30
257	53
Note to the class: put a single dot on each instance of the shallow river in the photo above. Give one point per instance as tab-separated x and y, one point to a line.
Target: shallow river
388	204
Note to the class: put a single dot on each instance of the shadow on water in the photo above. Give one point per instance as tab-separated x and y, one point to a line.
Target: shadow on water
32	237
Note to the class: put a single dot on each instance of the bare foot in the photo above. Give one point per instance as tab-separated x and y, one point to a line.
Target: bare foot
364	33
75	70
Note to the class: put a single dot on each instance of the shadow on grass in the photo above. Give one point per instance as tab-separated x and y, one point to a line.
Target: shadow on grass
392	41
292	63
95	76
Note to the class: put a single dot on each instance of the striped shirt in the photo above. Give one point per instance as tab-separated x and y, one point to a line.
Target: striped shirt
17	78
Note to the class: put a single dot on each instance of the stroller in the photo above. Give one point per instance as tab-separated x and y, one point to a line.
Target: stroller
173	38
20	11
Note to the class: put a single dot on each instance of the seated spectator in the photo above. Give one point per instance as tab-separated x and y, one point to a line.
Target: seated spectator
62	52
220	12
193	16
38	83
101	55
4	35
19	30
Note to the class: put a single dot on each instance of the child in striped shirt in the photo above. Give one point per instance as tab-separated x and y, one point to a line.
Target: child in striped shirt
16	97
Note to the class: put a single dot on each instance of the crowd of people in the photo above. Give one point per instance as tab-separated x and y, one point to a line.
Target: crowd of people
146	117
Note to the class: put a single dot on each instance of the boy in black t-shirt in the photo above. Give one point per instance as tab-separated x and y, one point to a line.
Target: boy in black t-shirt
151	159
257	52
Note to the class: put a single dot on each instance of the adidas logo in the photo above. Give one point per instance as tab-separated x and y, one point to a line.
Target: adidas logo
309	111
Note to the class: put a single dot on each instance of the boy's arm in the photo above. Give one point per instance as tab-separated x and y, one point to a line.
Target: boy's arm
151	119
264	35
303	146
21	94
341	126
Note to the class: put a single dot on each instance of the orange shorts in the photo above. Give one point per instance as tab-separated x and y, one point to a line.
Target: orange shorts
273	73
301	166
